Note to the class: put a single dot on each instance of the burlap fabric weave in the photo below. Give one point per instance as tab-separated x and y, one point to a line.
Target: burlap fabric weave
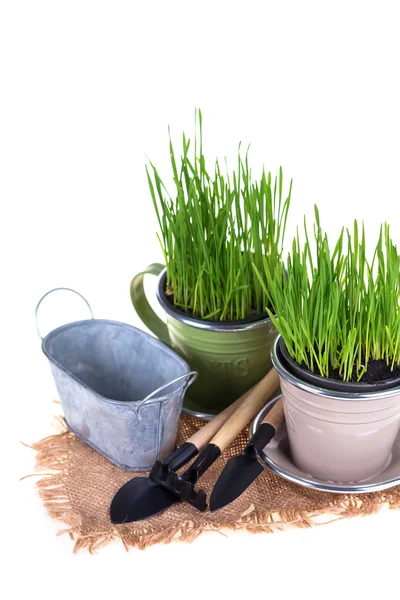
82	483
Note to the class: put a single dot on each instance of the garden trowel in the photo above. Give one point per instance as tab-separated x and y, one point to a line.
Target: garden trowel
241	471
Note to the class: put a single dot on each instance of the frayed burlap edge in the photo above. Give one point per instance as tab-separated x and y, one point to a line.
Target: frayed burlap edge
52	454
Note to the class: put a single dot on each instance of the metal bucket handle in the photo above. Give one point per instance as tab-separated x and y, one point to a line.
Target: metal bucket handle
192	375
57	290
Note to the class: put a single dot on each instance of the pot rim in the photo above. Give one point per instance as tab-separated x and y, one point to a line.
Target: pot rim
329	383
227	326
285	373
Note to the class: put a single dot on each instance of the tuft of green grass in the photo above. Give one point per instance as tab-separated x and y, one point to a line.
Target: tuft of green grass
214	227
335	309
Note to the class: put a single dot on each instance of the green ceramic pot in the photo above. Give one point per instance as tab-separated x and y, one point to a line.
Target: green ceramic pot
229	356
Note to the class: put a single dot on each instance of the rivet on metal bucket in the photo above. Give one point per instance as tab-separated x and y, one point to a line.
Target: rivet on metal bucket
59	289
191	377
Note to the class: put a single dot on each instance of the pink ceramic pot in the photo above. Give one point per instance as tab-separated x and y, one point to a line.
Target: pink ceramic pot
337	436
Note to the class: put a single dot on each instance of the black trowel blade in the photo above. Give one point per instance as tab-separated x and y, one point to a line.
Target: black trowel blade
237	475
240	471
139	499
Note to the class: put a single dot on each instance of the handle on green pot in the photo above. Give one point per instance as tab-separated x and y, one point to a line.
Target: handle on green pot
142	306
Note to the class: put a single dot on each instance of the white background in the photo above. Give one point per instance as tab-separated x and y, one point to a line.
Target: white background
88	89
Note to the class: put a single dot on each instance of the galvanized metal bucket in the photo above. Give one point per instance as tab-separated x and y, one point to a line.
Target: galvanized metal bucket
121	390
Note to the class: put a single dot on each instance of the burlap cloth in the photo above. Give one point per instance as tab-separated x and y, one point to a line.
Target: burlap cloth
82	483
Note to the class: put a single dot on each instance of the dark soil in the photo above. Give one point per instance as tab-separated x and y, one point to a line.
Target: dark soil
254	315
377	371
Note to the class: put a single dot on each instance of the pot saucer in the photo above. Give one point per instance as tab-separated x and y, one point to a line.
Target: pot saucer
276	456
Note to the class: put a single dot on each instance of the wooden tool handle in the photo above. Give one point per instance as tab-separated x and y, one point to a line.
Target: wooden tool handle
203	435
275	416
247	410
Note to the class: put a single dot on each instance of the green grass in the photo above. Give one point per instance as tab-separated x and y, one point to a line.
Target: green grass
214	226
334	308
